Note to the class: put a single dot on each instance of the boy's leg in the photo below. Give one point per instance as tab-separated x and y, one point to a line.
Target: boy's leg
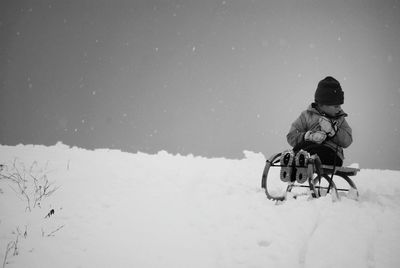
302	169
326	155
286	163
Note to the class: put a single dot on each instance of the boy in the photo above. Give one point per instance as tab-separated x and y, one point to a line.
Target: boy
321	129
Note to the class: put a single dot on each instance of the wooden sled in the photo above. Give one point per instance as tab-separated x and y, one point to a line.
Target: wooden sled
323	181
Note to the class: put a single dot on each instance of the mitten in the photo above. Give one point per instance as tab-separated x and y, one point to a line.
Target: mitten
328	126
317	136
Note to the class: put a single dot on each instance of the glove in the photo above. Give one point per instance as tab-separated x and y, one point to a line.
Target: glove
317	136
328	126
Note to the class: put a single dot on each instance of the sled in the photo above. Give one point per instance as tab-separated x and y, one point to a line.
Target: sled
322	181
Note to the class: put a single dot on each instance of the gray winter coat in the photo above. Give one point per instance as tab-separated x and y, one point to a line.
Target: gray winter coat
309	120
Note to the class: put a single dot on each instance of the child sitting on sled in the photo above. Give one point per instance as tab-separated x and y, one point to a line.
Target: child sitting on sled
321	129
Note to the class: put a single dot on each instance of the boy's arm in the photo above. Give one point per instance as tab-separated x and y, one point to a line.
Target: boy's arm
344	136
297	131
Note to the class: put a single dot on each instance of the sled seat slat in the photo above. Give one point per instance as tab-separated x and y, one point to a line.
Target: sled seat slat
349	171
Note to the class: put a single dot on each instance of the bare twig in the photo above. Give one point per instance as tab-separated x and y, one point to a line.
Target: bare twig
11	246
16	252
26	231
32	191
53	232
32	166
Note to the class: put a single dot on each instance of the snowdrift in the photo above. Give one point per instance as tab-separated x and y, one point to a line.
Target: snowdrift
70	207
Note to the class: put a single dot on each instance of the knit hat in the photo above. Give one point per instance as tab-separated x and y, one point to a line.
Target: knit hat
329	92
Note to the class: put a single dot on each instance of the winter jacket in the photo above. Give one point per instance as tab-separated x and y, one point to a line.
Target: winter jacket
309	120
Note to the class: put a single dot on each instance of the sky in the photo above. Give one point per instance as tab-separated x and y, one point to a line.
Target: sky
209	78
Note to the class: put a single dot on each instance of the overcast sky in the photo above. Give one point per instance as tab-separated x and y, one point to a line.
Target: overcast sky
209	78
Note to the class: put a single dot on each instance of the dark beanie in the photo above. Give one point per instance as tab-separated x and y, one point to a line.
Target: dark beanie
329	92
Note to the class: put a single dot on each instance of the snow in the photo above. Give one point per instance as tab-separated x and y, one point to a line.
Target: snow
115	209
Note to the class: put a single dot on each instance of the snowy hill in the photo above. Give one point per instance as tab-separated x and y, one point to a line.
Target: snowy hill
106	208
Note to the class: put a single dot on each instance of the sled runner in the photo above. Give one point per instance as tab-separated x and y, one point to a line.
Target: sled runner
285	172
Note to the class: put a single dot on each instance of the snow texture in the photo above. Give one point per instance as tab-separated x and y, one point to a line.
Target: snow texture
115	209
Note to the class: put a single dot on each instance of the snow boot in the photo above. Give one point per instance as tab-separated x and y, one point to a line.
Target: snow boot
302	168
286	163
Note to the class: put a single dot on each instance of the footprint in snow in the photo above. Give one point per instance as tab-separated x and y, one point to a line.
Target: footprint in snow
264	243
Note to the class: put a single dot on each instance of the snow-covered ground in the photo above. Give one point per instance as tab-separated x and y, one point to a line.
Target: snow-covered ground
115	209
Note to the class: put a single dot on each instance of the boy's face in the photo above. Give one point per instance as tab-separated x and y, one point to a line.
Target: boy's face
331	110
